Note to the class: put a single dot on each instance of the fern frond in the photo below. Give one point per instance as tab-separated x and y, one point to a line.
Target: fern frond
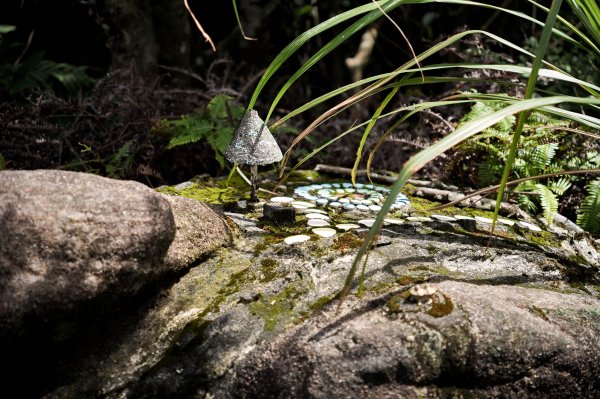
527	204
548	201
588	215
560	186
189	130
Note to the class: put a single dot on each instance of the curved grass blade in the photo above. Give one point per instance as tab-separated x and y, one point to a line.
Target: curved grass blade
239	22
415	163
372	122
303	38
531	83
378	84
334	43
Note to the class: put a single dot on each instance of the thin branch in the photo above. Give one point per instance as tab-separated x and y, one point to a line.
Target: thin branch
511	183
206	36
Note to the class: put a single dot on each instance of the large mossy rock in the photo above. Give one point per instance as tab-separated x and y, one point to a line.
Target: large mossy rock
67	239
516	318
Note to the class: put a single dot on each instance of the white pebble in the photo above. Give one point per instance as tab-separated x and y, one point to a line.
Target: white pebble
484	219
393	221
317	223
367	222
507	222
302	204
316	216
463	217
313	210
296	239
324	232
529	226
282	200
419	219
444	218
347	226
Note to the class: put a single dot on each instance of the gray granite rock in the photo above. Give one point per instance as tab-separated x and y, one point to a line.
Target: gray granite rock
68	238
201	229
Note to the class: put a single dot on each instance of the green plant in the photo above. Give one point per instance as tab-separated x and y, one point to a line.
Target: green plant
120	162
534	157
588	215
519	107
21	72
3	163
215	125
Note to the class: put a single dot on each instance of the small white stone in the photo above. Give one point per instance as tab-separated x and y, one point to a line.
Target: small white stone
296	239
302	204
317	216
484	219
362	207
393	221
419	219
375	208
282	200
312	210
463	217
367	222
347	226
317	223
507	222
529	226
324	232
444	218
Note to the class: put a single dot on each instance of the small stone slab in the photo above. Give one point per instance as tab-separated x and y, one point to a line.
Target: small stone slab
507	222
282	200
325	232
367	222
393	221
279	214
302	204
312	210
317	223
464	217
529	226
347	226
419	219
296	239
443	218
484	219
317	216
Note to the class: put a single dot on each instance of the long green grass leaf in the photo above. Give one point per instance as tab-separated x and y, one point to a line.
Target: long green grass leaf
295	44
426	155
365	135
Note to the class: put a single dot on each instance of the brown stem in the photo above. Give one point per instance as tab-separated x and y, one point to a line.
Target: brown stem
253	175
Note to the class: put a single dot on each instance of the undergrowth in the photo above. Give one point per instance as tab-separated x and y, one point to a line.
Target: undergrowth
542	150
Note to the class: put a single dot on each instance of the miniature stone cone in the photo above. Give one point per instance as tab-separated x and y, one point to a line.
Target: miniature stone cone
253	144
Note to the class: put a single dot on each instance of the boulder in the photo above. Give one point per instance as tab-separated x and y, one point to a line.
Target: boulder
69	238
443	313
201	229
492	342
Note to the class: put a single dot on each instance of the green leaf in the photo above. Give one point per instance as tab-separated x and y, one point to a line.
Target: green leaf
291	48
548	201
189	130
7	28
588	215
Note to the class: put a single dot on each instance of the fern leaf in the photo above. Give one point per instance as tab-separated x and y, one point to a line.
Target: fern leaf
588	215
548	201
188	130
560	186
526	203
